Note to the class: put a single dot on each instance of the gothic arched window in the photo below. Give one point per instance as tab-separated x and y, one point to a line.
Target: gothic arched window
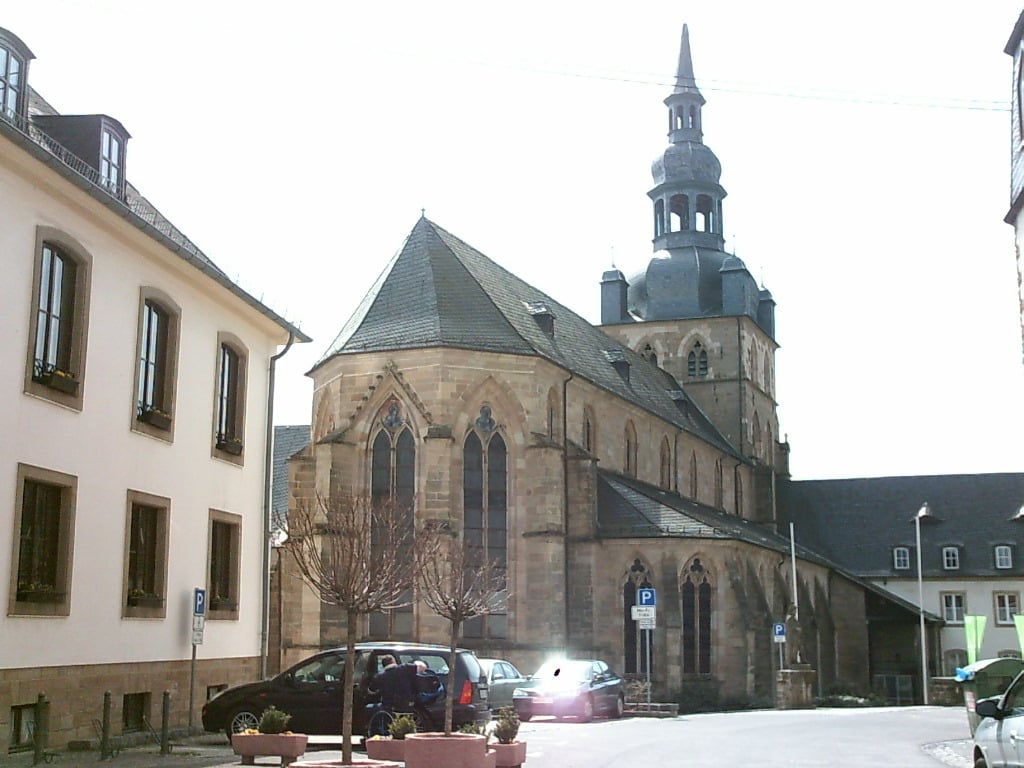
697	361
485	514
589	437
719	488
696	615
630	448
693	475
393	481
634	641
665	464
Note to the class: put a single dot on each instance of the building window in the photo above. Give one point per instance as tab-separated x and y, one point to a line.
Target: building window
111	161
636	651
10	83
485	517
1004	556
952	660
901	558
231	372
146	556
134	711
630	448
1007	606
393	481
222	588
554	410
953	607
696	619
693	475
157	363
665	464
950	558
44	524
23	721
588	430
697	361
719	487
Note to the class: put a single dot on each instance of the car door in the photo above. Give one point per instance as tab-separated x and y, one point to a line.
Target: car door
311	693
503	680
1011	727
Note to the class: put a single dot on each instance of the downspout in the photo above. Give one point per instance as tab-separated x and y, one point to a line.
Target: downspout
565	500
268	473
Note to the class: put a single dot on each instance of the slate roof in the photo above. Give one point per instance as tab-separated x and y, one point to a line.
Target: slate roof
630	509
440	292
857	522
288	440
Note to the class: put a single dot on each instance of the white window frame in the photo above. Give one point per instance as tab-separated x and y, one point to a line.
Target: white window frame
901	558
954	607
1007	605
1003	556
951	558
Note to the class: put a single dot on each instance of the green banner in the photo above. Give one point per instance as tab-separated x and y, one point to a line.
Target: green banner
974	627
1019	621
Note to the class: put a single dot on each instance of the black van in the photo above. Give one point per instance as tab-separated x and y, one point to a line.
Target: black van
311	691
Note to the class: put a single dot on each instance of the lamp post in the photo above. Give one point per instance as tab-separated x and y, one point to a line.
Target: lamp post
923	512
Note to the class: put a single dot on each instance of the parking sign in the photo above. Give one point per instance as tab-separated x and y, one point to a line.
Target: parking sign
645	596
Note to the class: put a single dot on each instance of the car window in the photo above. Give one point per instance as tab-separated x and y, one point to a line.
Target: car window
322	669
498	672
1013	705
473	671
510	671
435	662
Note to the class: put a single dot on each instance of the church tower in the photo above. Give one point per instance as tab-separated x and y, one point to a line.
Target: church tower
694	309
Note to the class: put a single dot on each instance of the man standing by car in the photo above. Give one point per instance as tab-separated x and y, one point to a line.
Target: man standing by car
396	682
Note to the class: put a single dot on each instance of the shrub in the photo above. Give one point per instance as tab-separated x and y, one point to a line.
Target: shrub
699	694
401	726
273	720
507	726
475	728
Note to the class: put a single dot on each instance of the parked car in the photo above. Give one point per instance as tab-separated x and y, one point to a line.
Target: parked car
311	691
999	737
571	688
502	680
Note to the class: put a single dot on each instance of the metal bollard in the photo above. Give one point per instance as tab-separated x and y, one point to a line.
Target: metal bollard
165	725
105	751
40	729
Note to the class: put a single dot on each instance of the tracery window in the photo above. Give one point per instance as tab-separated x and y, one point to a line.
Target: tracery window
635	641
393	481
696	617
697	361
485	513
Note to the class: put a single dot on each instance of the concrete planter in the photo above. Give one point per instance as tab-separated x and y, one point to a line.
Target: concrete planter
460	750
386	749
509	755
287	746
338	764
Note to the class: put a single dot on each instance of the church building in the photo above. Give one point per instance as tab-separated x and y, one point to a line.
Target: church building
592	461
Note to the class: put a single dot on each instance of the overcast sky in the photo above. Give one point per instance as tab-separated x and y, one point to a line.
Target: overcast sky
865	149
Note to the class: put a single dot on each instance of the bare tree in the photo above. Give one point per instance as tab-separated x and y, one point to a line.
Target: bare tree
458	583
358	555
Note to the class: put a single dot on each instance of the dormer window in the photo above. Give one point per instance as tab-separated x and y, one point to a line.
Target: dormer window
950	558
14	59
1004	556
901	558
111	160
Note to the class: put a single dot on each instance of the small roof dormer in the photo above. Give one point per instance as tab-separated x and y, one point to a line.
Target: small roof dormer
14	60
98	140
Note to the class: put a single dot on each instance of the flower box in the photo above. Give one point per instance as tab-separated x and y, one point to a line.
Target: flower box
287	746
222	604
62	381
155	418
44	595
234	447
145	601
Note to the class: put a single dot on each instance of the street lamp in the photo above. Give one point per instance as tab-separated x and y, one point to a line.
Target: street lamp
922	513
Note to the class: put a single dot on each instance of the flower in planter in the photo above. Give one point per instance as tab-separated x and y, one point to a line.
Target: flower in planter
273	720
506	726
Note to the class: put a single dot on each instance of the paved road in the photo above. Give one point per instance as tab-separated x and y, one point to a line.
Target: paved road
909	737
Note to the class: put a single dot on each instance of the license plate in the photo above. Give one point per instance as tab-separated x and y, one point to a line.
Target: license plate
483	694
542	700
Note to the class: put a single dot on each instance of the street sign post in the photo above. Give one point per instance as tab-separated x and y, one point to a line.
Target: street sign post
779	638
644	614
198	625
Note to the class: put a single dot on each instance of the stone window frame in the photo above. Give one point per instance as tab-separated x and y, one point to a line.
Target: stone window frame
153	603
64	387
63	547
222	606
1001	607
154	415
229	399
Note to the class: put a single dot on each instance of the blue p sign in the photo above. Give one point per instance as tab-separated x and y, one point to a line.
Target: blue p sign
645	596
199	602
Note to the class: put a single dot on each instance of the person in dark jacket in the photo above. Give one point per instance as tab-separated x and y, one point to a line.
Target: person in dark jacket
396	682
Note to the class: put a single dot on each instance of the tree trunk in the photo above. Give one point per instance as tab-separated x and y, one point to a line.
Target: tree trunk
449	699
347	694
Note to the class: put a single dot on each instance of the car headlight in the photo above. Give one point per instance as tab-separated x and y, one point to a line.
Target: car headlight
519	692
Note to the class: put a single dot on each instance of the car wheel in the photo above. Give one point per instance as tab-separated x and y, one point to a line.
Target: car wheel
588	710
979	762
620	706
241	719
524	716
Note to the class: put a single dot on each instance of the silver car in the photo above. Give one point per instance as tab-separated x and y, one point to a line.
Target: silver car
999	737
502	679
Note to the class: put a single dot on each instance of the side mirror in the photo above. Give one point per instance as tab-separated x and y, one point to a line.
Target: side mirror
988	708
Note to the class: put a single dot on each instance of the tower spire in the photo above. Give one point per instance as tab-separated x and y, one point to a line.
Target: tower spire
685	81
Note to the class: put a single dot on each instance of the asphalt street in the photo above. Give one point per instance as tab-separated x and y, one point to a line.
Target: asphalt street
911	737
